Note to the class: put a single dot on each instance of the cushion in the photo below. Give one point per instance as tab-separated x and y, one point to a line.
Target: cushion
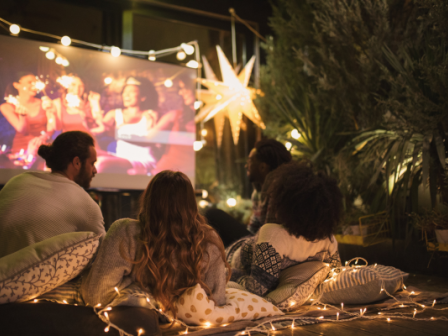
361	287
38	268
68	293
298	283
194	307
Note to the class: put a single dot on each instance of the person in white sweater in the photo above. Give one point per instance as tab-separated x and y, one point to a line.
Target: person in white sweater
35	206
169	249
309	206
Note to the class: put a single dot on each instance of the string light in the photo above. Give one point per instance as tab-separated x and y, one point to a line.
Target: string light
115	51
106	329
337	316
203	132
181	55
66	41
272	326
193	64
433	303
50	55
189	49
342	306
152	55
116	289
140	332
197	145
295	134
231	202
288	145
108	80
14	29
168	83
197	104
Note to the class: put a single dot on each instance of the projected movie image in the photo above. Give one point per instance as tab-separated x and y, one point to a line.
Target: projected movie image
139	112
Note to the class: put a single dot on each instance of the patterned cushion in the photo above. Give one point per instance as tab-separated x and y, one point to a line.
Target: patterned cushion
194	307
298	283
38	268
361	287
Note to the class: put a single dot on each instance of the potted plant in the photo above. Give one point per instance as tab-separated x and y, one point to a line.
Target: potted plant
433	221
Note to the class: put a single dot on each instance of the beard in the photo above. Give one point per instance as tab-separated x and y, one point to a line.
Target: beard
83	178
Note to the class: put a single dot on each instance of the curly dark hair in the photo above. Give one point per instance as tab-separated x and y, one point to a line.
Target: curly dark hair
272	152
306	203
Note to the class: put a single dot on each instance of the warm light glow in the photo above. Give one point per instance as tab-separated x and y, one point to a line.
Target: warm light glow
292	303
203	132
65	62
337	316
140	331
14	29
412	293
35	300
272	326
181	55
168	83
231	202
147	300
388	319
152	55
65	40
197	145
193	64
50	55
44	49
107	80
59	60
98	305
204	193
208	324
40	85
342	306
203	203
189	49
116	289
288	145
295	134
106	329
321	317
433	303
218	97
197	104
115	51
106	314
109	308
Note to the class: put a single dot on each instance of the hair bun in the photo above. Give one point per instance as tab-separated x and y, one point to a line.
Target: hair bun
45	151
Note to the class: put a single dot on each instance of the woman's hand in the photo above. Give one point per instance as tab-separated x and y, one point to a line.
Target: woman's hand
94	101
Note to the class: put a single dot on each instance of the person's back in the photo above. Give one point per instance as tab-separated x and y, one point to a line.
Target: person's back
35	206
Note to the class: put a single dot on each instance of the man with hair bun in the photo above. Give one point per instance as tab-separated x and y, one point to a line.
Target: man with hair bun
35	206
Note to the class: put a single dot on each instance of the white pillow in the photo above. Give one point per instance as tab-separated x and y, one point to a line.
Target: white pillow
194	307
38	268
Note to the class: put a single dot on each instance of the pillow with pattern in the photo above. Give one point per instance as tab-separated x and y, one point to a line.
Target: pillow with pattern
194	307
298	283
38	268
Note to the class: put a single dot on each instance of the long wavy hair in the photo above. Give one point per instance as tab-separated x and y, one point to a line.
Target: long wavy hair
174	239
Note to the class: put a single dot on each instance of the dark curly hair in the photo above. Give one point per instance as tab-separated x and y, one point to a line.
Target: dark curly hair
272	152
65	148
306	203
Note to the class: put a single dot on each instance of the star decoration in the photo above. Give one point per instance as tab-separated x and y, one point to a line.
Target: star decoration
230	98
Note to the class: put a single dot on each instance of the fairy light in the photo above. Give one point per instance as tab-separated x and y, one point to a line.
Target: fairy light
50	55
108	80
192	64
14	29
388	319
189	49
320	317
433	303
140	332
148	300
65	62
203	132
168	83
98	305
272	326
288	145
106	314
292	324
412	293
64	301
337	316
186	331
115	51
106	329
181	55
197	145
231	202
325	307
375	265
35	300
152	55
197	104
295	134
342	306
116	289
207	324
292	303
109	308
415	312
66	41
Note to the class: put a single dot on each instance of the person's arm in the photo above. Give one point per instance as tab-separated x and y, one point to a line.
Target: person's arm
105	123
264	271
17	120
216	276
110	269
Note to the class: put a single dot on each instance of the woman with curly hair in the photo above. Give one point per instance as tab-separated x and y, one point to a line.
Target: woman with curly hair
309	206
167	250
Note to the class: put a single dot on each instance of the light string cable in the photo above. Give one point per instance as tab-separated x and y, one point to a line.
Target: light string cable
158	53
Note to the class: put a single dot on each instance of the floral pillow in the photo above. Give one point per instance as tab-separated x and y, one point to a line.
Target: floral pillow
194	307
38	268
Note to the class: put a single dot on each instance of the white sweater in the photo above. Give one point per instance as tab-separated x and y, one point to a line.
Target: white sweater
35	206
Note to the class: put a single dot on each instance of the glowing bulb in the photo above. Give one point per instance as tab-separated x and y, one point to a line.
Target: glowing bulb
44	49
140	331
59	60
193	64
14	29
40	85
433	303
288	145
98	305
292	303
231	202
115	51
342	306
64	301
197	145
208	324
203	203
197	104
218	97
50	55
116	289
35	300
203	132
106	329
107	80
189	49
388	319
272	326
109	308
168	83
152	55
204	193
65	40
181	55
295	134
337	316
321	317
147	300
106	314
65	62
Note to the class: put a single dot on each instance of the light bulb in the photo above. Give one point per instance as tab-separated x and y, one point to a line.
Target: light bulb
295	134
231	202
65	62
107	80
189	49
65	40
181	55
203	132
50	55
218	97
192	64
152	55
197	145
59	60
288	145
168	83
14	29
204	193
197	104
44	49
115	51
203	203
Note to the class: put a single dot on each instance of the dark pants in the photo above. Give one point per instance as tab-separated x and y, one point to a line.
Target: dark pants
228	228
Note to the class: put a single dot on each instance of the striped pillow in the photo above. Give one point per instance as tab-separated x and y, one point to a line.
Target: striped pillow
362	286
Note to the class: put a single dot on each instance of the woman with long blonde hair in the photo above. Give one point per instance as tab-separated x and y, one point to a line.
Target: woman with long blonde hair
167	250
